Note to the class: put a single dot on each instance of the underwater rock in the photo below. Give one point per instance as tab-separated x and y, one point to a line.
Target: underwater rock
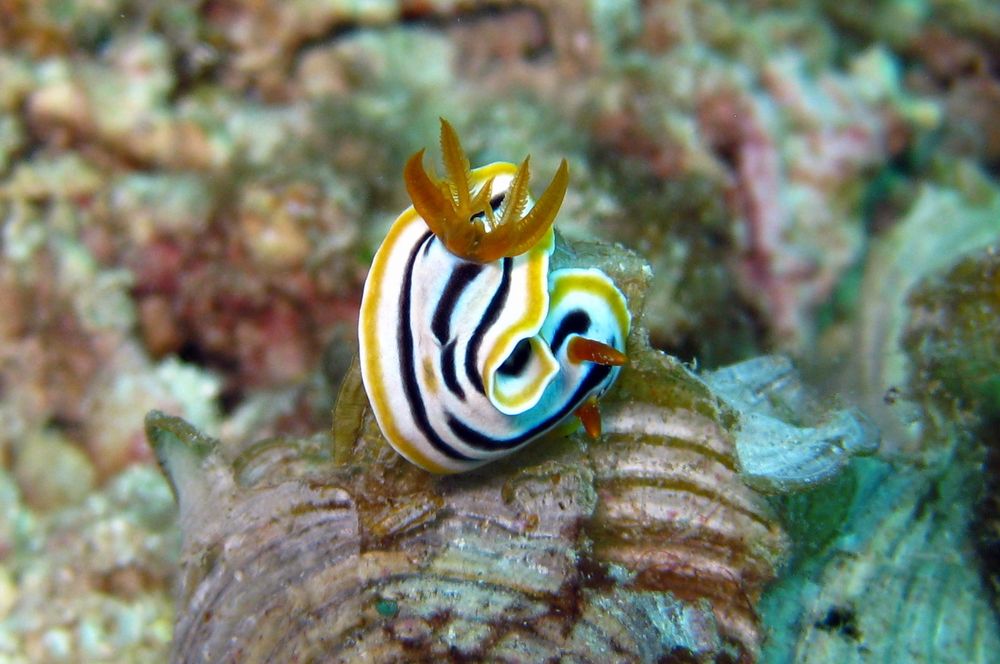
52	472
120	104
113	429
951	339
264	38
919	247
913	541
252	293
91	579
779	150
951	342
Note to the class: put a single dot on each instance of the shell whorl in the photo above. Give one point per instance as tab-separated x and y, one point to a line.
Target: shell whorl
570	552
642	546
648	544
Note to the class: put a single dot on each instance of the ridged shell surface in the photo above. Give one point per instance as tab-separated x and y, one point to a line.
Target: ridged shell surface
644	546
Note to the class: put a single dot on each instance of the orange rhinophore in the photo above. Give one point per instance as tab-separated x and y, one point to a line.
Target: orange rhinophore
581	349
590	417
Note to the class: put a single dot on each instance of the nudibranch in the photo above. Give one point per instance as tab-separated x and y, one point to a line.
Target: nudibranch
470	347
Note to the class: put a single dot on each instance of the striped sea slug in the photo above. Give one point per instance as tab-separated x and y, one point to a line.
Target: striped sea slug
470	347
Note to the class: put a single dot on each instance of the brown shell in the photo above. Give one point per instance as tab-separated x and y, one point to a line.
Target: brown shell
643	546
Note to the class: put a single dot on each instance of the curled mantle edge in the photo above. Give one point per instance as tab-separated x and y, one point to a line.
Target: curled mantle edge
651	543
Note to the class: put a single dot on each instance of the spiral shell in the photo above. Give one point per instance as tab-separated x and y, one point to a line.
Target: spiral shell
644	545
641	546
